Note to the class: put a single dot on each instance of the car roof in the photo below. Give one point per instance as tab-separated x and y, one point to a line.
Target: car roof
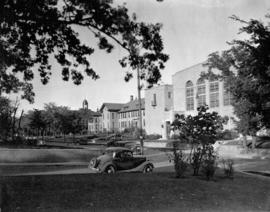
117	149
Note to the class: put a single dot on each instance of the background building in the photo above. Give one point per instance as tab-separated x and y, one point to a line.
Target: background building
90	120
159	110
110	118
129	114
95	124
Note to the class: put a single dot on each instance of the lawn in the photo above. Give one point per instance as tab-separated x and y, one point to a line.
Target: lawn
135	192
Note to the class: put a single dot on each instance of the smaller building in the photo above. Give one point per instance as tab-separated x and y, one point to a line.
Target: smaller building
90	120
159	110
110	117
129	114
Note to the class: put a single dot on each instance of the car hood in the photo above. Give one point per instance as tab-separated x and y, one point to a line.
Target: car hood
104	157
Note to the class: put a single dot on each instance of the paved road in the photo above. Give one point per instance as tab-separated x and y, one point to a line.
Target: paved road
160	161
75	170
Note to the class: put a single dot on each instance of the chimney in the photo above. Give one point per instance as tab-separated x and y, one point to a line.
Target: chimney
131	98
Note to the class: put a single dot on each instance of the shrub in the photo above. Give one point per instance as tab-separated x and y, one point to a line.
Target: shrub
209	164
180	165
205	158
196	160
209	167
228	168
201	131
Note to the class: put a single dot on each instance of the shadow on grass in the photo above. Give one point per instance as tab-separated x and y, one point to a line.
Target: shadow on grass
133	192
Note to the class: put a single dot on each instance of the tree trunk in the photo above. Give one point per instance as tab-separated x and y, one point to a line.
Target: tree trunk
244	141
253	144
20	119
13	121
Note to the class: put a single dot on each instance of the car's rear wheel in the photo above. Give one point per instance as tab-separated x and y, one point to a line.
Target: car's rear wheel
148	169
110	170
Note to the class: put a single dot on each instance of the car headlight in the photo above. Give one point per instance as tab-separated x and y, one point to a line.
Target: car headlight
94	163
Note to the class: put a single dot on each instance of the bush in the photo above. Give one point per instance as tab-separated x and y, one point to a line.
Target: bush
180	165
196	160
205	158
228	168
209	164
201	131
209	167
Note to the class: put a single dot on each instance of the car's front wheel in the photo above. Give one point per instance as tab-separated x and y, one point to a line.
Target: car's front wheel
110	170
148	168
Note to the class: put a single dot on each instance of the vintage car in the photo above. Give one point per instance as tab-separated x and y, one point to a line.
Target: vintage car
120	159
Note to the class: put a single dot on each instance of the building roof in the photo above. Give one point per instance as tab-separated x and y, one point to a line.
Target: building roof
112	106
132	105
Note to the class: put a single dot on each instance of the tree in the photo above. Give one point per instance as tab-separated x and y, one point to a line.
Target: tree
34	31
50	110
69	122
245	67
37	122
8	119
5	117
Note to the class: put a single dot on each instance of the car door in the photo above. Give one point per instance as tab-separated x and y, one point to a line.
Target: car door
124	160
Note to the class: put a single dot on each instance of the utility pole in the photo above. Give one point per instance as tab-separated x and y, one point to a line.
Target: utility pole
140	109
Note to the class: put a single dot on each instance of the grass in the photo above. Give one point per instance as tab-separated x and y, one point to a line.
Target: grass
134	192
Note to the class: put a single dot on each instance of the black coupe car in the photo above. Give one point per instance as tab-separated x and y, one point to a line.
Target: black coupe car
120	159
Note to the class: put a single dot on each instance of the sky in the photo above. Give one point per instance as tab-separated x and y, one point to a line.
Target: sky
192	29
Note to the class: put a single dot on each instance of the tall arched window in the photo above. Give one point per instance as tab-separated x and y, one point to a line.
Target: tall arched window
189	96
214	93
201	92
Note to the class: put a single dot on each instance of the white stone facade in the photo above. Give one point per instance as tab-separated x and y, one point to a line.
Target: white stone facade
187	92
110	116
159	110
190	90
